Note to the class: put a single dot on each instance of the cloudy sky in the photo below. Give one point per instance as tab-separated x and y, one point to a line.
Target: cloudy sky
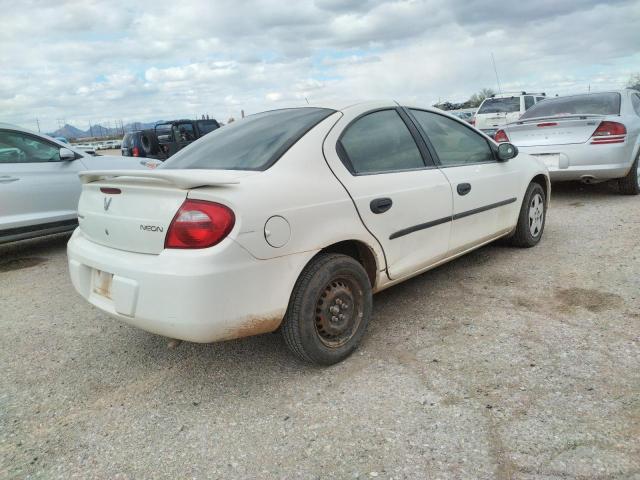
101	61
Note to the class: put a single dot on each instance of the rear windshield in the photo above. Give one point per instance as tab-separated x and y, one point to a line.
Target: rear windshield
253	143
500	105
587	104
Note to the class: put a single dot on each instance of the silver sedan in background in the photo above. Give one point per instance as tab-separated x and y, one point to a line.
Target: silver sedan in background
590	137
39	184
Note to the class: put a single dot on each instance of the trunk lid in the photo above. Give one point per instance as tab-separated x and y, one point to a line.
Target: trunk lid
132	209
573	129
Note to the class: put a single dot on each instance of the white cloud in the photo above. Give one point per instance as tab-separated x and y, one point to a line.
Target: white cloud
111	60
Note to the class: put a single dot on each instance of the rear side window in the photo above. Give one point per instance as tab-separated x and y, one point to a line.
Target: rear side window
254	143
455	143
587	104
528	102
380	142
500	105
126	141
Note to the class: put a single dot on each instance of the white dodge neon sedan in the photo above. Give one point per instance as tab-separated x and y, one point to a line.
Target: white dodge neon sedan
292	218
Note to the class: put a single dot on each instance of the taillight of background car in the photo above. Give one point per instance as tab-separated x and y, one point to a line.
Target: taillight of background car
199	224
501	136
609	132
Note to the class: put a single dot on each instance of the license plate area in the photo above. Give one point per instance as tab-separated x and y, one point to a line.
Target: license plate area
101	283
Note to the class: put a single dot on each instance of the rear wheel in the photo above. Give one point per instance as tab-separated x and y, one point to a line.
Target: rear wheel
630	185
532	217
329	309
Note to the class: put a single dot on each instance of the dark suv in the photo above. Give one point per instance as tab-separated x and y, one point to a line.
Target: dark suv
132	145
166	138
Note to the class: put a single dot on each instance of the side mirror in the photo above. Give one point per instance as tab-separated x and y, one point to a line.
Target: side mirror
66	155
507	151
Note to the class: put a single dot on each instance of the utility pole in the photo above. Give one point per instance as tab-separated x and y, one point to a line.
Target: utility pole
38	122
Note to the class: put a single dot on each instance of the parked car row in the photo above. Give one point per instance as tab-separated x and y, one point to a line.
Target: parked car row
292	219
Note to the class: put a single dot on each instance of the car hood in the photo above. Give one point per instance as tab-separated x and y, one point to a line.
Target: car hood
114	162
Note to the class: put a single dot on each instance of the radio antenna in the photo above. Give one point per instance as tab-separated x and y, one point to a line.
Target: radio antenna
493	60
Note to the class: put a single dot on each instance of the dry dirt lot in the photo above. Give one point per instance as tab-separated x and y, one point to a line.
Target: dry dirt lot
504	364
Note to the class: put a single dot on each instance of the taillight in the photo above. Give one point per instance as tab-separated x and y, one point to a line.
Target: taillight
501	136
136	152
199	224
609	132
472	121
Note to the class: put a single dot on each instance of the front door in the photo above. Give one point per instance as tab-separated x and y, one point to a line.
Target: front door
403	200
485	198
36	187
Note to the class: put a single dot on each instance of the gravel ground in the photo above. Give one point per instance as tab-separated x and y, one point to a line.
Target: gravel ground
506	363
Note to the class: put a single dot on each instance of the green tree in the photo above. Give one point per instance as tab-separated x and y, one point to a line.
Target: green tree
634	81
476	99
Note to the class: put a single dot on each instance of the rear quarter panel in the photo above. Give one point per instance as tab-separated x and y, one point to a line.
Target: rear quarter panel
301	189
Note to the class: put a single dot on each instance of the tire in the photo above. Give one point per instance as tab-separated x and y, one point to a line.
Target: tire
149	142
533	215
630	185
329	309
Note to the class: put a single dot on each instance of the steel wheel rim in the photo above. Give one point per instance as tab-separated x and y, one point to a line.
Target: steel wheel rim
339	312
536	215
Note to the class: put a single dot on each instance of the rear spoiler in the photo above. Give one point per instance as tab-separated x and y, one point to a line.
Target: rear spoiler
559	117
180	178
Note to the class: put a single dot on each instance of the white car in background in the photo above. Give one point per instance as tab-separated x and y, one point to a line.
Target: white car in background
293	218
503	108
590	137
39	184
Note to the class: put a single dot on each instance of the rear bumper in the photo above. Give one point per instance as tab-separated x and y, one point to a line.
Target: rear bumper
195	295
585	161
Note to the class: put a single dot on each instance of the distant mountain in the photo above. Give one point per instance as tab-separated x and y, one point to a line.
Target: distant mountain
69	131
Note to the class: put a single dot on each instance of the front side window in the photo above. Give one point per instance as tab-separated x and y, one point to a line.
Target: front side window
380	142
455	143
585	104
500	105
16	147
253	143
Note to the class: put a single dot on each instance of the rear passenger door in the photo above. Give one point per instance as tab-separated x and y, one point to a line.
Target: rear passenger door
485	199
402	198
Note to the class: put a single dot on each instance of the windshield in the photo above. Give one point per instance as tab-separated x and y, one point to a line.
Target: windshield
587	104
500	105
254	143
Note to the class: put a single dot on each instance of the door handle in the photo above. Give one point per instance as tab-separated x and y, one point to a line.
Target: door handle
8	179
464	188
380	205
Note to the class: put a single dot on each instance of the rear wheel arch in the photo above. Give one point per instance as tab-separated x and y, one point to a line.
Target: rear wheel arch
359	251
